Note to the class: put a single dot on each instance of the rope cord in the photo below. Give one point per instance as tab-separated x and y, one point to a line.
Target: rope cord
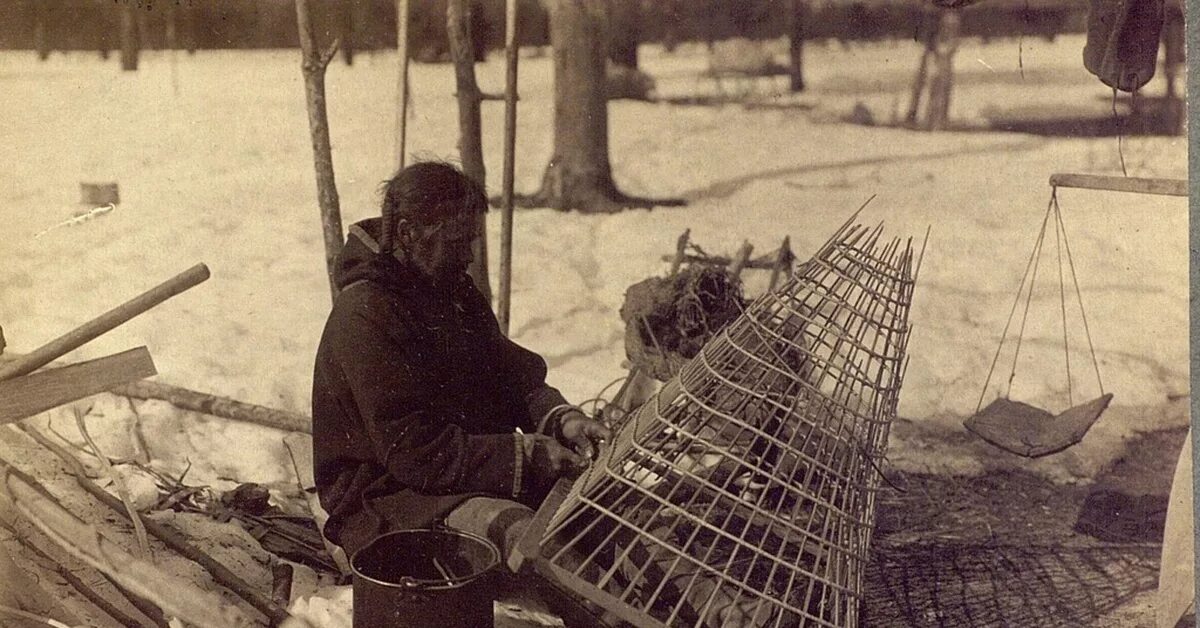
1037	247
1008	323
1059	236
1078	294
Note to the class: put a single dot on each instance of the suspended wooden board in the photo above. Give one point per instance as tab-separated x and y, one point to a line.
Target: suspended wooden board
1032	432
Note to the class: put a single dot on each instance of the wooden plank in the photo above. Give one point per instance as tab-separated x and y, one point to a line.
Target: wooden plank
26	396
1137	185
75	338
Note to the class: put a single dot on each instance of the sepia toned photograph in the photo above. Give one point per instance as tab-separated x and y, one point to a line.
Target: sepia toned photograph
595	313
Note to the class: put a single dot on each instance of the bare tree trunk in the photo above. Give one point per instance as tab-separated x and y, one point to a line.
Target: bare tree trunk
130	43
345	12
797	19
41	38
625	33
579	175
470	141
941	84
171	31
929	108
313	66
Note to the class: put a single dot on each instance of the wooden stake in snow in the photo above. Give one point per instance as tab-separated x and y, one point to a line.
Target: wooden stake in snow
313	66
503	304
402	86
470	140
105	322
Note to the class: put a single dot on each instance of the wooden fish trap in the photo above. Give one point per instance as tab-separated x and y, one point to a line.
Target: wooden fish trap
743	493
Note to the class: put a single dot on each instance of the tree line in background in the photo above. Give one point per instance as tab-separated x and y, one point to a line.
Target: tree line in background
366	25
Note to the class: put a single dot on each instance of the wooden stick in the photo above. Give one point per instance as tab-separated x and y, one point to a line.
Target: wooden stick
504	302
222	407
312	65
402	88
762	263
782	261
105	322
743	258
31	394
680	252
168	536
176	596
187	399
1137	185
118	482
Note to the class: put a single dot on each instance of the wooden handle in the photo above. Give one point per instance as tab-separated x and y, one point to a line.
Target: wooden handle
1159	187
105	322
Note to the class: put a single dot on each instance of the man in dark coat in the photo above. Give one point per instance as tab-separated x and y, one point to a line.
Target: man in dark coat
423	412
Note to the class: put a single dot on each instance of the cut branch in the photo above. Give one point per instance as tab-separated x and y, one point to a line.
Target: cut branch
131	513
222	407
313	65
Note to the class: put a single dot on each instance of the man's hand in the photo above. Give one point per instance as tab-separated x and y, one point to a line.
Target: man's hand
582	433
548	460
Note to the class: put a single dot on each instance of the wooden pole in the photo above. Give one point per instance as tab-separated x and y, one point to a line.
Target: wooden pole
1137	185
105	322
313	65
213	405
510	136
402	88
470	136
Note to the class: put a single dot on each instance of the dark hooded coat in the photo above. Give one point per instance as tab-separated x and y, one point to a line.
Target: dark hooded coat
416	398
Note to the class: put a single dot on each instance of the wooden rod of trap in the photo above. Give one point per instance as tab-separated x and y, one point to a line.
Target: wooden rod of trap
504	301
75	338
1137	185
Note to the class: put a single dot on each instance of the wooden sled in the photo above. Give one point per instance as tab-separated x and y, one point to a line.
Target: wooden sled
1032	432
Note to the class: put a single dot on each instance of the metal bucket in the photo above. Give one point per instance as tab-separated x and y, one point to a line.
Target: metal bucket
417	578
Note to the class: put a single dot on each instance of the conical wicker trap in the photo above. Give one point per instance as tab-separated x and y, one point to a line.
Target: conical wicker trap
743	493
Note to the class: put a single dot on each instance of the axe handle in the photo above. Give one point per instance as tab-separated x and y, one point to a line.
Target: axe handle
105	322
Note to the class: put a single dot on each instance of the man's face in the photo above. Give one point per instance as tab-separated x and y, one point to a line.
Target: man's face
443	250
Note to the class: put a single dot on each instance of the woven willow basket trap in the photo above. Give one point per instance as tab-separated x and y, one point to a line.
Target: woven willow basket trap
743	493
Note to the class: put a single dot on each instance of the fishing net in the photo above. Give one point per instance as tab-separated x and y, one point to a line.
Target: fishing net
980	584
743	493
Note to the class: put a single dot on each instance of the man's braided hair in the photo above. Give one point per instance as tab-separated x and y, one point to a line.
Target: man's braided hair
427	192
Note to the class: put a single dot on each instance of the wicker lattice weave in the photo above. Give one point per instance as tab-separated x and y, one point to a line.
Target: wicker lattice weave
743	493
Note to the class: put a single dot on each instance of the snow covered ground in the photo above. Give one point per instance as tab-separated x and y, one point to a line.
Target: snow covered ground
213	158
212	154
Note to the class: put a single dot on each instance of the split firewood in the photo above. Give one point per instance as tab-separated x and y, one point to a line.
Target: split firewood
177	597
23	397
171	538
